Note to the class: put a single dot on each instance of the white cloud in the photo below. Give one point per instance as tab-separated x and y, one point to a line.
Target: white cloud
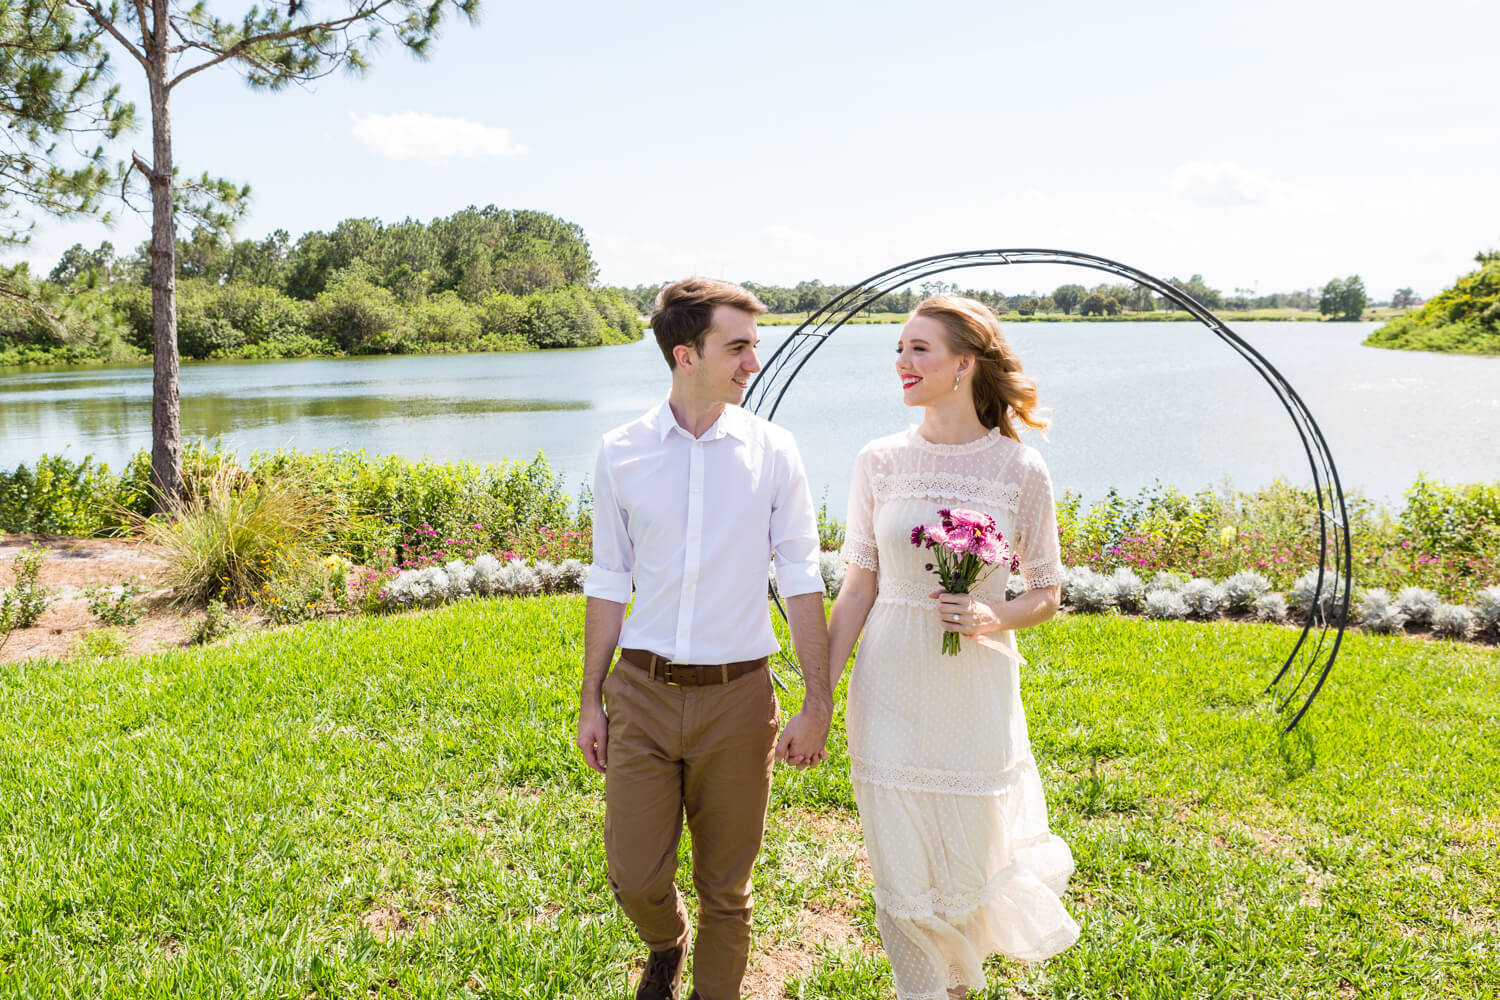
1229	185
416	135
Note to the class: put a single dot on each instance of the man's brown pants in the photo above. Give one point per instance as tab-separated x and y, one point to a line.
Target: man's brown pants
704	752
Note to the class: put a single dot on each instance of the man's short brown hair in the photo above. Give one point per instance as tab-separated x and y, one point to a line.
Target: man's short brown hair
685	311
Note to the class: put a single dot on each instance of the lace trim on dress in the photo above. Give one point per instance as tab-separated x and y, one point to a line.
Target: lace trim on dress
967	448
954	906
907	778
862	552
918	485
892	590
1044	574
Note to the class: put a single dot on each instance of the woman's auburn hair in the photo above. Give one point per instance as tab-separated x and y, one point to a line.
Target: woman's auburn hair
1004	396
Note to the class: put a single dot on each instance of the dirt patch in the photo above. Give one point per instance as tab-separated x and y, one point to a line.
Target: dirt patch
387	923
75	563
820	929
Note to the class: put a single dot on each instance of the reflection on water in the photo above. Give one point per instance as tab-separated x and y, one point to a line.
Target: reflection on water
1131	403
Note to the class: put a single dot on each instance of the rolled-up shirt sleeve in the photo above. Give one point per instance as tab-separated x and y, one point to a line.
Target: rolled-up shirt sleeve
794	528
614	557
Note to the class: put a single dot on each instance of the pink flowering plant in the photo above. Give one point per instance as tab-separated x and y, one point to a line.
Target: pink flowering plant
967	547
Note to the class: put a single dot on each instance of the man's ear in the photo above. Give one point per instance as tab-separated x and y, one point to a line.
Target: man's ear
685	356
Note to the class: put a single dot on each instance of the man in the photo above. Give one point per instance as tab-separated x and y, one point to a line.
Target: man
692	503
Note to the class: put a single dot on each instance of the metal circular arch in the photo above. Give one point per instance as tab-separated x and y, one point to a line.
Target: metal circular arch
1313	655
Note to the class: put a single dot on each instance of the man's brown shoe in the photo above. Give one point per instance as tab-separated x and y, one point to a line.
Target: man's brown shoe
663	976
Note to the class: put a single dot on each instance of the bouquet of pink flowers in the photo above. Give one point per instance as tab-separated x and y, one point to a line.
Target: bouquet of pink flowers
968	547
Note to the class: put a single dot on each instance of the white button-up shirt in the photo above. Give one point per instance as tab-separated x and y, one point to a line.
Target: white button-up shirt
692	524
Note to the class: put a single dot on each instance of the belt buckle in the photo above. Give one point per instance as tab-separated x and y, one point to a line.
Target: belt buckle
666	673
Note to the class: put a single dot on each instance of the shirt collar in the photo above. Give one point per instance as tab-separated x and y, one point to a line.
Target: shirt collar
732	421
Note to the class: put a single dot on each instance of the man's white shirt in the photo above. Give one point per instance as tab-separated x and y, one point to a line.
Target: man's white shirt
691	526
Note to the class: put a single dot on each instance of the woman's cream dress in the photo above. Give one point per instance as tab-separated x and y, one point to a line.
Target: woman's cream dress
948	794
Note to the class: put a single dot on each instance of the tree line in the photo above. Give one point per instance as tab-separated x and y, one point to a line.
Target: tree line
480	279
1341	298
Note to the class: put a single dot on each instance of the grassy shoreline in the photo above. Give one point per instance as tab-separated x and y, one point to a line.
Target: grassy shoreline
393	807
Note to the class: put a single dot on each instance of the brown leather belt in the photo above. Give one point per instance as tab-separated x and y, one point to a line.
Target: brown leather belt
659	668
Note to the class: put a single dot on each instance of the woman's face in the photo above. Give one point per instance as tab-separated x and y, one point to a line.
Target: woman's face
925	363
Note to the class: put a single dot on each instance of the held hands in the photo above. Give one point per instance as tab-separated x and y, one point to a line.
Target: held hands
593	735
962	614
803	741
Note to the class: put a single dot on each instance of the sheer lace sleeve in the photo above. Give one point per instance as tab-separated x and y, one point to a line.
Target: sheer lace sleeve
1036	526
859	528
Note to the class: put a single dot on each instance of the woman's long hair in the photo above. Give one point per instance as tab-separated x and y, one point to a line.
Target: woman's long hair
1004	396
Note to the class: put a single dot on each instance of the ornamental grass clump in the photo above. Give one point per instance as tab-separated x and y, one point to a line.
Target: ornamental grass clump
235	535
1203	598
1127	592
1452	621
1419	604
1269	608
1378	613
1166	604
1242	590
1487	612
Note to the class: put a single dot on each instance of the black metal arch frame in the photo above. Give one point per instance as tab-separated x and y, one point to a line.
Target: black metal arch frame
1313	654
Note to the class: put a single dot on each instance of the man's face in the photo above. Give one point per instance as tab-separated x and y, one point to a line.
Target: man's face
729	361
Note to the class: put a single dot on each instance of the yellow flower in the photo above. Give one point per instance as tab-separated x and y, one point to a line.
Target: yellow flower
331	563
1228	534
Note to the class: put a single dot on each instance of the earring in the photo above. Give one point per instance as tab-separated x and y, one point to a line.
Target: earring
956	377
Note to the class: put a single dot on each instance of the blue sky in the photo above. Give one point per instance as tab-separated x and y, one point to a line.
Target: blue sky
1269	145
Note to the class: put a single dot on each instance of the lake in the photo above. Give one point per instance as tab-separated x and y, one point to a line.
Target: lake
1131	402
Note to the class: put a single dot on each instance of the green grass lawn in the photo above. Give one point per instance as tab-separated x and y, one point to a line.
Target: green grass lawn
393	807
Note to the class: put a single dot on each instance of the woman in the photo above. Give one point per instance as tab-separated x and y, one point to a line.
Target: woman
948	794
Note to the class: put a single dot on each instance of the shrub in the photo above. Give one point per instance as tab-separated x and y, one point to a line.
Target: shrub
833	569
445	321
417	588
1269	608
24	603
1418	604
1452	621
212	625
1378	613
564	318
1304	590
115	605
1014	587
1242	590
1202	597
460	579
518	579
1167	580
238	535
1127	592
1487	611
1086	590
1165	604
487	574
574	573
359	317
57	496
